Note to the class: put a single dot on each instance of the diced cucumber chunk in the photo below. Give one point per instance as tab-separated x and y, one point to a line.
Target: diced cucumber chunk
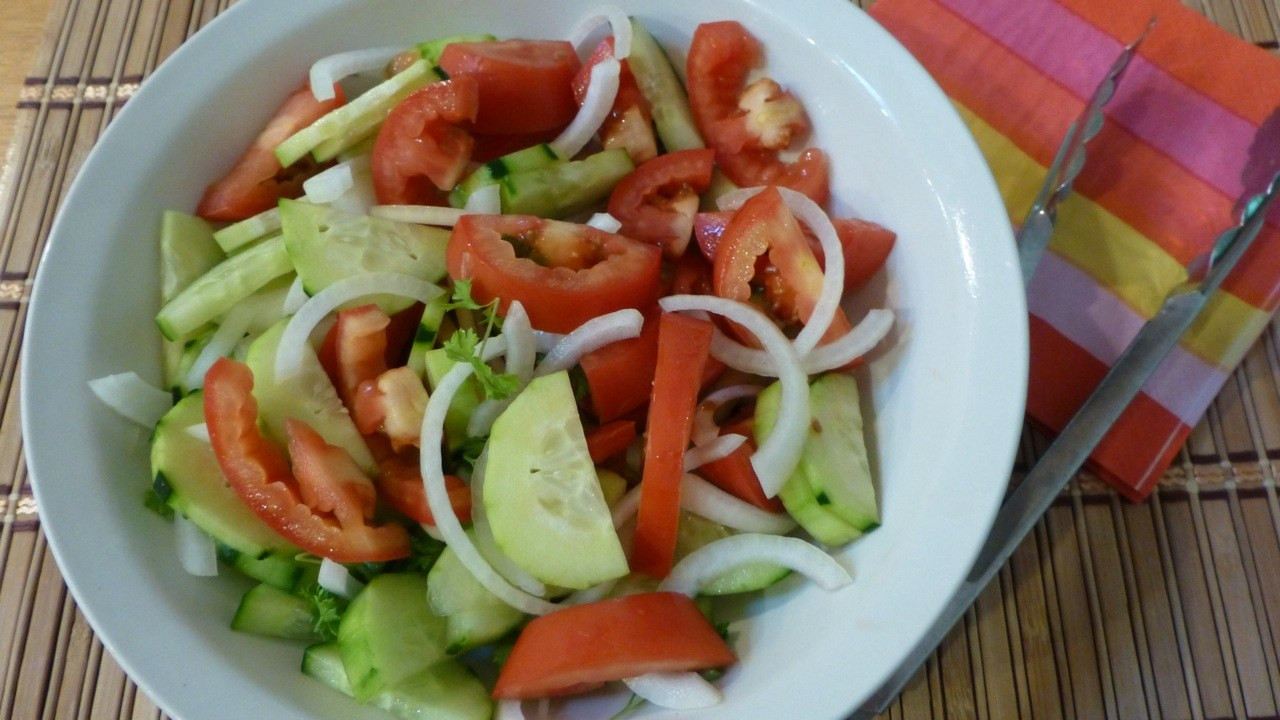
492	172
242	234
353	122
437	364
443	691
279	570
180	356
660	85
541	492
188	478
327	245
389	633
561	189
270	611
473	615
224	285
187	251
323	661
424	338
696	531
266	306
308	396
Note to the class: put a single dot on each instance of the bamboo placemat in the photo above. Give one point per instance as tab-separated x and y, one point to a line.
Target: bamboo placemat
1170	609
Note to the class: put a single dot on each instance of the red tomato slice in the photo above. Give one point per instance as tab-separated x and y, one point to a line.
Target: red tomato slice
582	646
610	439
421	150
630	123
400	484
353	355
401	329
720	57
657	201
328	479
259	473
525	85
257	180
490	147
684	343
564	274
734	473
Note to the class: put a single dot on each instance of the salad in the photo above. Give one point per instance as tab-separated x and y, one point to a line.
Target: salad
493	362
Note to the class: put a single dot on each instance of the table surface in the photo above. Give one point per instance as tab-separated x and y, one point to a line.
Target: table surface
1170	609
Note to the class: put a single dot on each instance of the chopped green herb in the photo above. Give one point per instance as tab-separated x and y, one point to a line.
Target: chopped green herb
424	550
470	450
325	612
465	346
153	502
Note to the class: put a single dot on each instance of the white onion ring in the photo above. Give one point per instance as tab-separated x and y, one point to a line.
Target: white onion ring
605	222
836	354
296	297
505	566
327	71
591	335
595	108
705	428
335	578
712	450
293	341
774	459
521	355
330	184
720	556
677	691
509	710
223	341
132	397
544	340
484	201
419	214
619	26
706	500
195	548
591	594
626	507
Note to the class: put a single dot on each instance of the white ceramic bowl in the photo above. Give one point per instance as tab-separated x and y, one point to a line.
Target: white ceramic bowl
947	397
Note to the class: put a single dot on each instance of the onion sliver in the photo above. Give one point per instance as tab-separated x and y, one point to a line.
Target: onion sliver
335	578
220	344
505	566
595	108
293	341
591	335
619	26
712	450
327	71
836	354
509	710
521	355
544	340
199	431
132	397
605	222
196	550
725	554
775	458
705	428
702	498
677	691
419	214
591	594
438	499
484	201
331	184
626	507
295	298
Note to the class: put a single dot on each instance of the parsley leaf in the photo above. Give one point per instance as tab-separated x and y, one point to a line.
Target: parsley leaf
469	452
324	612
465	346
424	551
462	299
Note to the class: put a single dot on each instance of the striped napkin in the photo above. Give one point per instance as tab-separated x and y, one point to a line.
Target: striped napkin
1195	123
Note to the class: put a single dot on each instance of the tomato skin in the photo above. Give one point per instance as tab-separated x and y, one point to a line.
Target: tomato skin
525	86
684	344
421	148
652	202
353	354
491	147
400	484
257	180
260	474
328	479
582	646
629	124
592	273
734	473
610	439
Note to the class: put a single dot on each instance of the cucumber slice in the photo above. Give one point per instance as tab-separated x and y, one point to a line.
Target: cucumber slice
187	251
308	396
323	661
541	492
227	283
180	356
431	49
438	364
389	633
565	188
279	570
667	98
424	339
473	615
327	245
697	531
270	611
238	236
353	122
188	478
266	307
444	691
492	172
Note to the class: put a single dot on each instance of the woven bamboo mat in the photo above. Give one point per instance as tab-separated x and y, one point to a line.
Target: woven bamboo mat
1170	609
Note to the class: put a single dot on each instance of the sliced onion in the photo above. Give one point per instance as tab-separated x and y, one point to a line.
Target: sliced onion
327	71
591	594
296	297
605	222
294	339
721	556
626	507
677	691
619	26
595	108
509	710
544	340
717	448
591	335
199	431
521	354
702	498
223	341
489	549
438	499
361	195
420	214
196	550
775	458
836	354
705	428
335	578
332	183
132	397
484	201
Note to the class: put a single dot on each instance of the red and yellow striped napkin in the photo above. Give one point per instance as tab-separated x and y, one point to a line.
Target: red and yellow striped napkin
1195	123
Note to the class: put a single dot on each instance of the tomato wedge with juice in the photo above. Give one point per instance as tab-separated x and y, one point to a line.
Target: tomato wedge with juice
657	201
422	148
525	86
563	273
629	124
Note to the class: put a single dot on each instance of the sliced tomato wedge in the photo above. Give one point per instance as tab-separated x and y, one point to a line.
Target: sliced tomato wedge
353	354
491	147
630	123
525	85
328	479
400	484
657	201
684	344
610	439
740	122
422	148
734	473
583	646
260	474
563	273
257	180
